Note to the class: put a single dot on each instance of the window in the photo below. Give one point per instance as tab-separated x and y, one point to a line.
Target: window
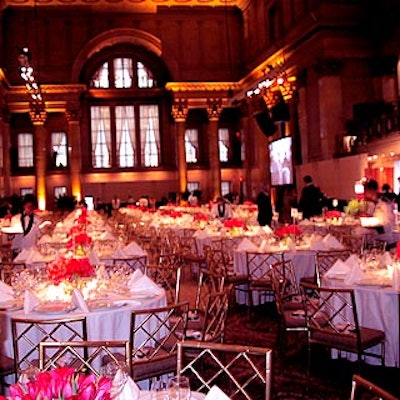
60	149
126	138
60	191
125	127
225	187
101	137
223	144
24	191
191	145
150	135
193	186
25	150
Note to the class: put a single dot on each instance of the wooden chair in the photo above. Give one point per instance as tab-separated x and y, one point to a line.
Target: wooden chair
362	389
28	333
153	338
191	256
133	263
239	371
168	276
332	321
84	356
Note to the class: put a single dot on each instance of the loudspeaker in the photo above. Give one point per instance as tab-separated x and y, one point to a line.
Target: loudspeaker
280	112
265	123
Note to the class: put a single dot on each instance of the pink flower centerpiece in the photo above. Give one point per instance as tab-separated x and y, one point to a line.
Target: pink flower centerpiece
288	231
61	384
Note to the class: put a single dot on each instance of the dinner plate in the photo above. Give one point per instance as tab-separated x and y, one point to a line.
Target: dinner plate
54	307
11	305
101	304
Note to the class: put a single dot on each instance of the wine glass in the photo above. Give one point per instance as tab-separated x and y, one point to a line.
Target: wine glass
159	390
179	388
118	373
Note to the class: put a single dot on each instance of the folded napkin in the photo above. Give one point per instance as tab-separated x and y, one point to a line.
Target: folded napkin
130	391
79	301
145	285
355	275
45	239
263	246
133	249
246	245
290	244
332	243
30	301
339	270
316	243
385	259
22	256
353	261
119	253
108	236
266	229
94	259
6	289
201	234
216	393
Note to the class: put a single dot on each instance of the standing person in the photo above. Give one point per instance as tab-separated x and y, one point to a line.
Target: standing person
115	203
264	204
310	202
284	204
29	222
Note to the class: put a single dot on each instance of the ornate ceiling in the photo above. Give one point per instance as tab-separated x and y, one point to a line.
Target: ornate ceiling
144	6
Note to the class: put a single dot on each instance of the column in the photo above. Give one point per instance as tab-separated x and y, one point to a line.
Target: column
74	150
214	109
179	113
6	167
38	119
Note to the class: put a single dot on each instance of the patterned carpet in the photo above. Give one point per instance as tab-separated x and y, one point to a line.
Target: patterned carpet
330	379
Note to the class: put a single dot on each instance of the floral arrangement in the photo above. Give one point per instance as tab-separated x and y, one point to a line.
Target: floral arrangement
234	223
200	217
289	230
171	213
398	250
248	203
61	384
333	214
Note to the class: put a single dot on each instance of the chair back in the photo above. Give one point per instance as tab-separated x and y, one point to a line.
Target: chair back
207	283
284	271
28	333
239	371
84	356
325	259
362	389
259	265
215	316
132	263
153	338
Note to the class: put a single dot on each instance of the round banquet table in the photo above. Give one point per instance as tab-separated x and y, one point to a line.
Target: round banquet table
378	308
111	323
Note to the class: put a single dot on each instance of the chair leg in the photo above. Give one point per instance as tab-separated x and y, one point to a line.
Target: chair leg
308	365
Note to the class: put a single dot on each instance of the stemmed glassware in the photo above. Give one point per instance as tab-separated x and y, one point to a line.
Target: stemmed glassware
179	388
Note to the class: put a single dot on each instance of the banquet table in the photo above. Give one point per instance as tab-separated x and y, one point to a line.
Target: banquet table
303	260
377	307
105	323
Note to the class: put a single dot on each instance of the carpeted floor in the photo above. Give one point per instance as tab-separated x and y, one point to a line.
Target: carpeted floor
330	379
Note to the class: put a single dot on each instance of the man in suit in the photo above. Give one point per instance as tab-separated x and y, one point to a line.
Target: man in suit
310	202
264	204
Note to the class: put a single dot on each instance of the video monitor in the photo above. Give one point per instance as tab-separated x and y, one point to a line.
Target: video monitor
281	166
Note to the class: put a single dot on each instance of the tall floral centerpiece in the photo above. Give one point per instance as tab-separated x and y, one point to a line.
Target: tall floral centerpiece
75	264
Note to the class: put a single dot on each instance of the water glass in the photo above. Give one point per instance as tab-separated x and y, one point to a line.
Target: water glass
159	390
179	388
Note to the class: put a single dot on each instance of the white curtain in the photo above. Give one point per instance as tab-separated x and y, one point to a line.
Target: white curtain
191	145
126	138
100	77
123	72
25	150
223	144
101	136
149	135
59	147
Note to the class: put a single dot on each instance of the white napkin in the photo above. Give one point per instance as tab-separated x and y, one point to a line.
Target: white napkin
216	393
145	285
316	243
332	243
385	259
356	274
45	239
79	301
263	246
246	245
200	234
338	270
30	301
22	256
119	253
134	277
94	259
267	229
130	390
133	249
108	236
6	292
396	277
290	244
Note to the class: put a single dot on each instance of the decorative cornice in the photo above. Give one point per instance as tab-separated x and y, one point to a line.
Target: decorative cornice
214	109
38	118
202	87
180	109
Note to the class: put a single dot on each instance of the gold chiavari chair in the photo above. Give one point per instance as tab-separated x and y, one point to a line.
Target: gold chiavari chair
190	254
240	371
8	269
28	333
362	389
332	322
132	262
7	367
154	335
84	356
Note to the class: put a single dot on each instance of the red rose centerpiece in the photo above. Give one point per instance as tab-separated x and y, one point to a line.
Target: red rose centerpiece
235	225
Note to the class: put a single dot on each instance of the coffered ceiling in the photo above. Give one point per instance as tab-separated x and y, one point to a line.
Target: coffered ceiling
144	6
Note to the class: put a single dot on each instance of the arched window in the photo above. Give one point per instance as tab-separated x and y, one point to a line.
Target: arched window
124	112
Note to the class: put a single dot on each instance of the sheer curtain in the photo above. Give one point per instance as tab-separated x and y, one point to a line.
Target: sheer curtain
100	77
59	146
101	136
150	135
25	150
123	72
223	144
126	138
191	145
